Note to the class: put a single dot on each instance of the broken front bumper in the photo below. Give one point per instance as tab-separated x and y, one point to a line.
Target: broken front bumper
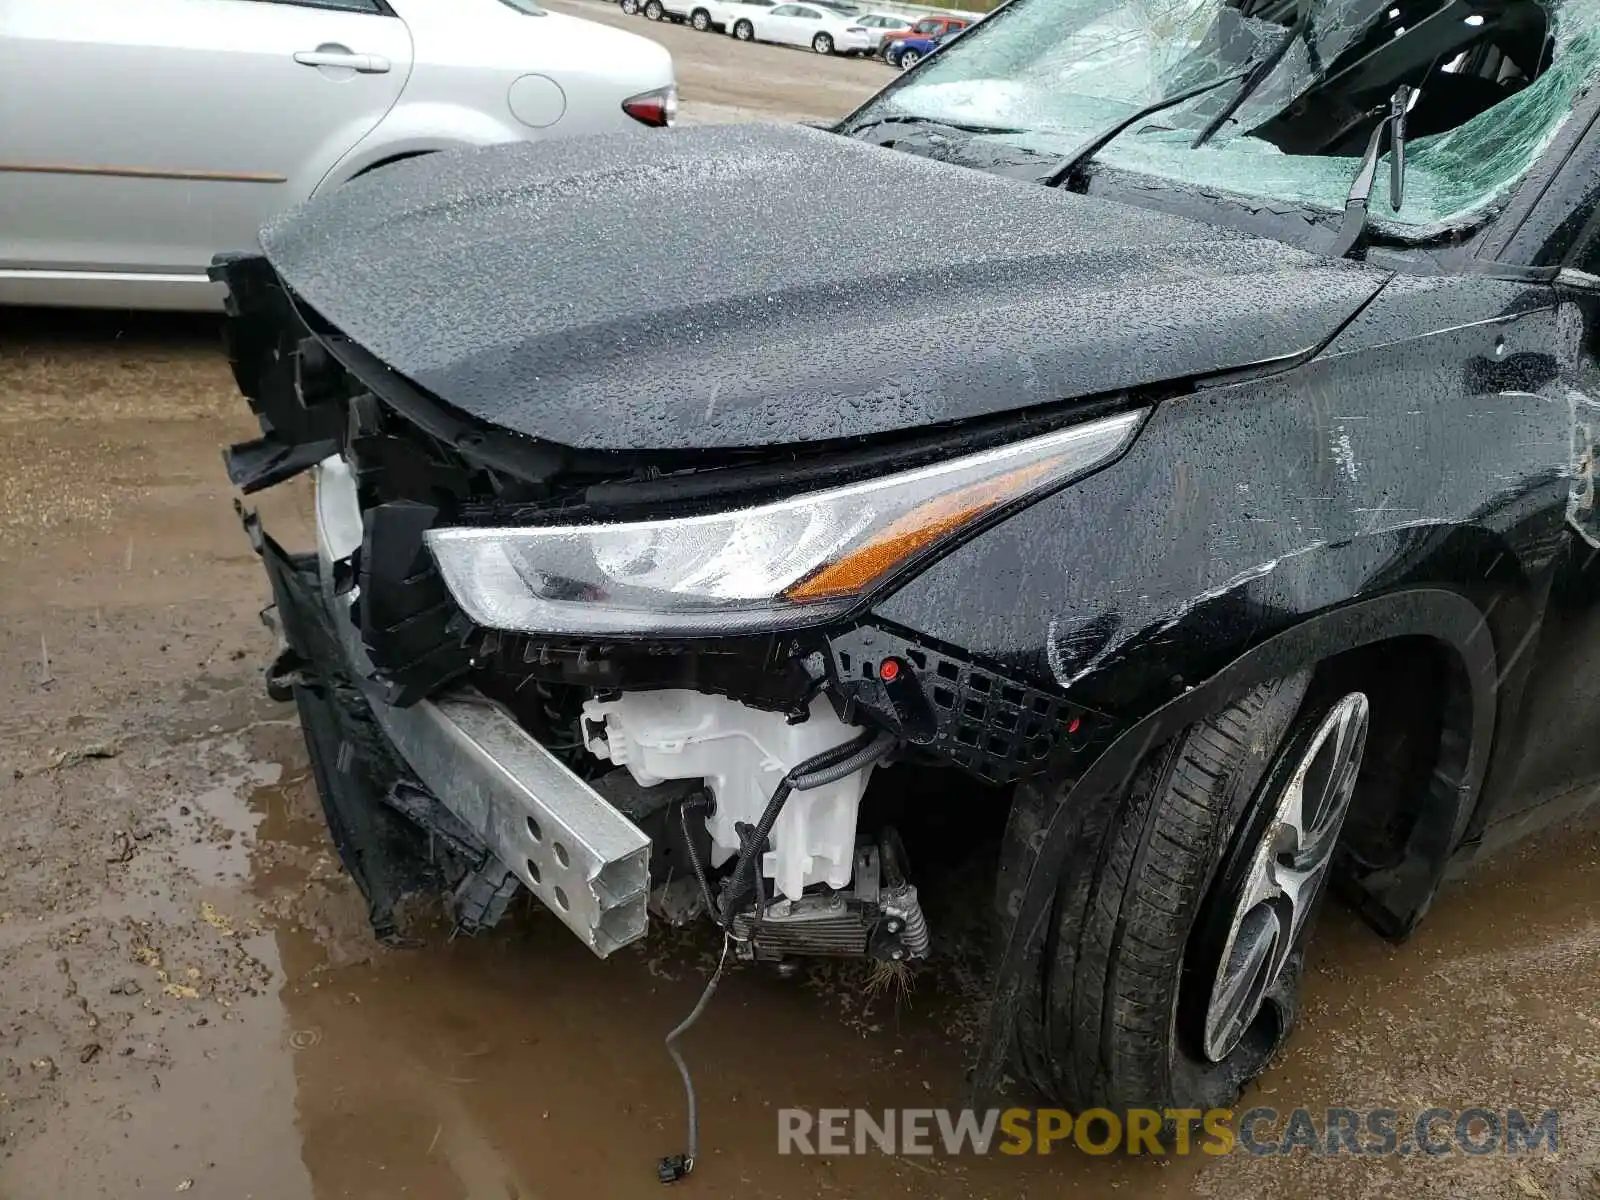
516	812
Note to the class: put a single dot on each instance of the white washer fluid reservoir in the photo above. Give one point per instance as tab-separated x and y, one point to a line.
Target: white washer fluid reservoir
741	753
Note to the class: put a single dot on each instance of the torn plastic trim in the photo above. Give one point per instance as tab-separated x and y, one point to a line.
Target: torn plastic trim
294	435
974	715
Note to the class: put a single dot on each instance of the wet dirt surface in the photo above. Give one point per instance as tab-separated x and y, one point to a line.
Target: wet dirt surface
191	1001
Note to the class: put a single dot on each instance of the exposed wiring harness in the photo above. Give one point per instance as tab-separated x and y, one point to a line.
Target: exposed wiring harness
819	769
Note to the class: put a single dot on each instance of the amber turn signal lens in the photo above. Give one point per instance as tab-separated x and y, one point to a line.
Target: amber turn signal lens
920	528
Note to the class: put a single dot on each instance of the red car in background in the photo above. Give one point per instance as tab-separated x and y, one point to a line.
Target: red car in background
929	27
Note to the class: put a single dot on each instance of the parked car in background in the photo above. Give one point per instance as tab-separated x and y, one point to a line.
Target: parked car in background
708	15
932	27
907	52
819	26
868	32
726	13
117	191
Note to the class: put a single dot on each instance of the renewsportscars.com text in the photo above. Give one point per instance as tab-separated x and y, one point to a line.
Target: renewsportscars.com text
1260	1131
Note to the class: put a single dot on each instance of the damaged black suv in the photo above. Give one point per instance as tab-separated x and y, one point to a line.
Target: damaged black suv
1233	536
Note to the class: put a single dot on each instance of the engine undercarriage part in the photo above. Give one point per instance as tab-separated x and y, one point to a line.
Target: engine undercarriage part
879	917
741	753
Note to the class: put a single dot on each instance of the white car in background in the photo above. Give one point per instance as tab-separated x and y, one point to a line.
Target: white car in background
821	27
867	32
707	15
147	135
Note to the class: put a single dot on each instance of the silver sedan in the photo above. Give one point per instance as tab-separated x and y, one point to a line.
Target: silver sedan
140	137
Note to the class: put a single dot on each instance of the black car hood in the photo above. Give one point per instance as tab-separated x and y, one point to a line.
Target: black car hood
760	285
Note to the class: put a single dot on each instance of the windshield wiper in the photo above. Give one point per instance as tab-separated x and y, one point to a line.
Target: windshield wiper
1070	173
913	119
1256	77
1354	226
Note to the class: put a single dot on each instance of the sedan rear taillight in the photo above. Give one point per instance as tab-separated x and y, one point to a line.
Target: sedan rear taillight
657	108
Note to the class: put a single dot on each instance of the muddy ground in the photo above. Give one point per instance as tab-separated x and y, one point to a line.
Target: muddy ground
191	1002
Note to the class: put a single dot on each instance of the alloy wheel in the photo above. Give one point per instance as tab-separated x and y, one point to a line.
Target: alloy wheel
1277	882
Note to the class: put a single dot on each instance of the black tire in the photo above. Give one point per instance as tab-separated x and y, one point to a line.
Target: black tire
908	59
630	7
700	20
1122	1007
822	44
744	31
653	10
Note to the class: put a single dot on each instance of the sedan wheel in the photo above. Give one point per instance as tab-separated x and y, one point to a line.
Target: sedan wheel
631	7
653	10
744	31
822	44
700	20
909	59
1182	916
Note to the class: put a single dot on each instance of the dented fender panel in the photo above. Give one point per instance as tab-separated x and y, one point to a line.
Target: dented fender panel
1243	508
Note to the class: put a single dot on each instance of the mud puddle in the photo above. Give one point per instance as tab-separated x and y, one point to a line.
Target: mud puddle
517	1064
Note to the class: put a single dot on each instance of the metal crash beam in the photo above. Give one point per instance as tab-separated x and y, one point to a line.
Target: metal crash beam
588	863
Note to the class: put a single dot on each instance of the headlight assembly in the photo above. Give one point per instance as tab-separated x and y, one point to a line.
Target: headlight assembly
773	566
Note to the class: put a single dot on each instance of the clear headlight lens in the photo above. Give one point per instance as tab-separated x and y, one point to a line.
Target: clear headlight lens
774	566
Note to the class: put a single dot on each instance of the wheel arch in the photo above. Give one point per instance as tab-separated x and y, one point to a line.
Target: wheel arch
1430	620
390	161
420	128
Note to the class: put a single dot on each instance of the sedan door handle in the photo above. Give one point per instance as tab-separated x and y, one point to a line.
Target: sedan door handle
367	64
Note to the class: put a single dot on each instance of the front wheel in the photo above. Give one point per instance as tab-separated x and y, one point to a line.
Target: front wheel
822	44
1180	934
744	31
653	10
700	20
630	7
909	59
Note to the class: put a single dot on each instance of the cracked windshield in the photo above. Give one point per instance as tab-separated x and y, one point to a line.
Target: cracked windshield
1288	93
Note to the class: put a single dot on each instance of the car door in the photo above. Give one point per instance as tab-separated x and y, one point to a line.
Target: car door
778	25
805	24
158	132
750	10
1555	664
